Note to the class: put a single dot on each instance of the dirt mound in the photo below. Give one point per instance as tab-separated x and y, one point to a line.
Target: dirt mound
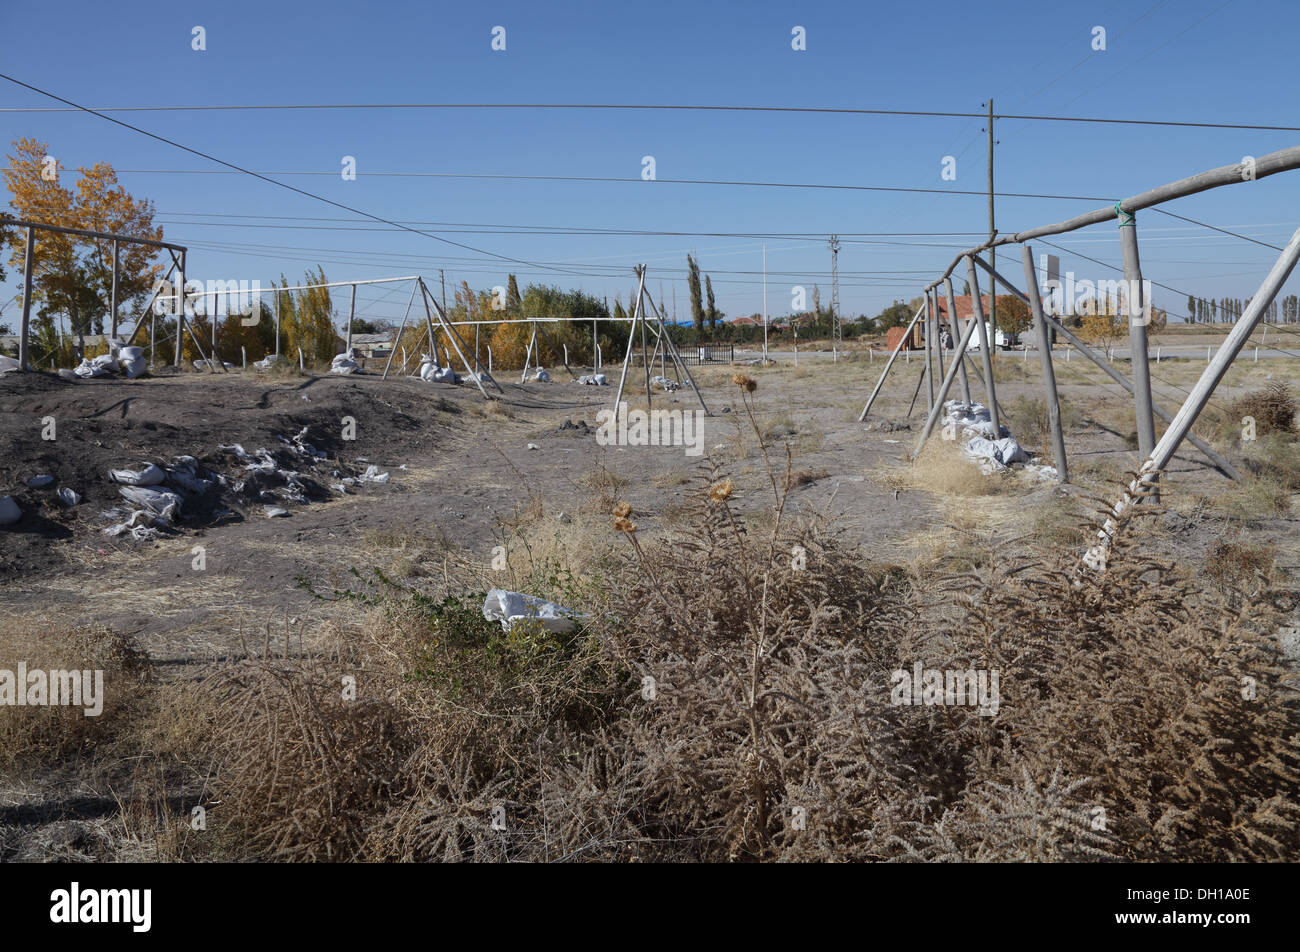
77	432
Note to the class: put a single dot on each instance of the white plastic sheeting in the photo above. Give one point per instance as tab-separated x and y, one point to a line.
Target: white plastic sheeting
594	380
163	503
542	376
972	418
668	385
971	423
430	371
345	363
96	366
994	454
510	608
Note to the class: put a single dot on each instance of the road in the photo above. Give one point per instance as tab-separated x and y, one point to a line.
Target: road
1180	351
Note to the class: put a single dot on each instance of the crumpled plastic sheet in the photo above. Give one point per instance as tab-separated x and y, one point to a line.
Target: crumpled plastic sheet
187	473
96	366
300	445
511	608
345	363
594	380
668	385
991	455
1041	472
973	418
157	509
542	376
994	455
161	503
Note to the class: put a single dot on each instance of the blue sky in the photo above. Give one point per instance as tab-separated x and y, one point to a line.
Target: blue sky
1183	60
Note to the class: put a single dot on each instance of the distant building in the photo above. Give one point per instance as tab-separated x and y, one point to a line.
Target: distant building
373	345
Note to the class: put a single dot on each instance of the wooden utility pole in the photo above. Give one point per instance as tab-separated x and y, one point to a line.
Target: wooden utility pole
180	310
993	253
986	345
1139	311
352	316
113	303
1045	356
29	262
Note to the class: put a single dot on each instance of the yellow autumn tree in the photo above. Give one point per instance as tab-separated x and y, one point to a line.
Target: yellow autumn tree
1102	325
73	276
307	319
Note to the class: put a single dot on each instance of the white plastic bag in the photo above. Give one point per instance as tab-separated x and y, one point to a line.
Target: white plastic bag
510	608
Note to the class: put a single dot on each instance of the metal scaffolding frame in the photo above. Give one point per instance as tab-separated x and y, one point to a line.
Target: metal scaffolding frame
29	262
1155	454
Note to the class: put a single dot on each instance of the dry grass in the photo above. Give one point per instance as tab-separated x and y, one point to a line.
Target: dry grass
730	696
1028	419
36	737
942	469
1273	409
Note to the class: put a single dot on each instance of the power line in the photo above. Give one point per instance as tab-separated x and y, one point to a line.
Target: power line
492	176
594	230
257	175
673	107
1222	231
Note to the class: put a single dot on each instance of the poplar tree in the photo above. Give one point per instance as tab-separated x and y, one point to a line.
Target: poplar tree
697	306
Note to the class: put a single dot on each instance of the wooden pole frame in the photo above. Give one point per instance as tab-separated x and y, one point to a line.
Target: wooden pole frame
1181	425
1136	307
929	355
453	338
631	338
986	358
952	329
670	348
933	415
1050	394
1220	463
397	338
889	363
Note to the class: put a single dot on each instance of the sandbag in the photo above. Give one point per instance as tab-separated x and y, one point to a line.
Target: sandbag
345	363
151	475
132	361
